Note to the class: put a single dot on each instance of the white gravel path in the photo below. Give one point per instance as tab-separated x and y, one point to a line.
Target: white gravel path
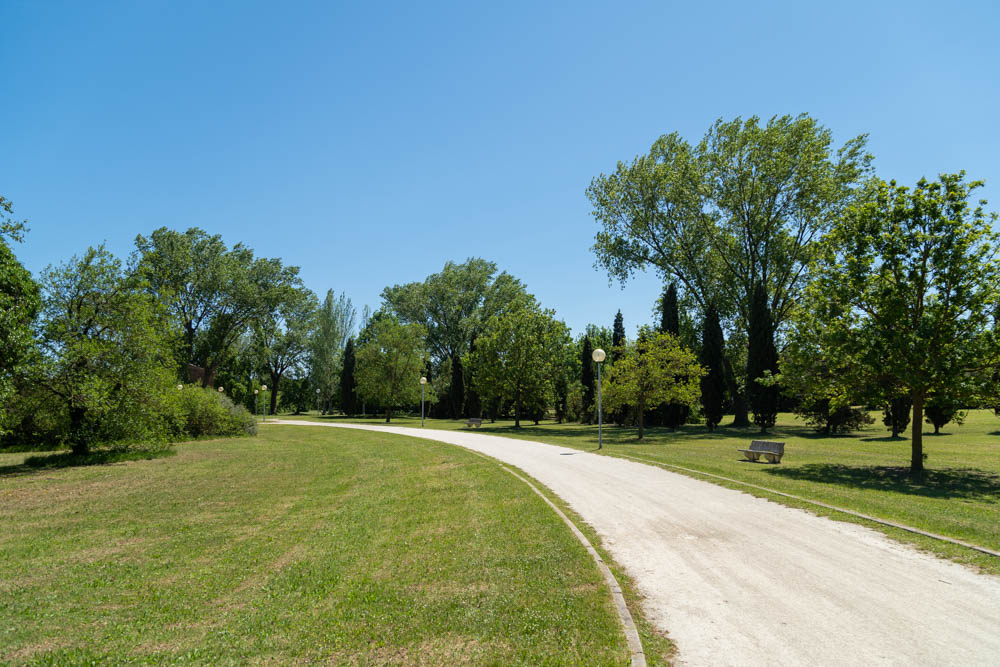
739	580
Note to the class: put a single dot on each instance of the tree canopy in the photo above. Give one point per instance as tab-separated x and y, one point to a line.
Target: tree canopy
389	363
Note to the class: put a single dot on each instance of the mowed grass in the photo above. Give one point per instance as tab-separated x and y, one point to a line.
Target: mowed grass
867	472
299	545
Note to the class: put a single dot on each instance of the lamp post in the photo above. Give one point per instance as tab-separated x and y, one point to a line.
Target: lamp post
263	389
598	356
255	410
317	403
423	381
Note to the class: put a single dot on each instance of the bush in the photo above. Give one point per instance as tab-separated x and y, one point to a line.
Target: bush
830	421
199	411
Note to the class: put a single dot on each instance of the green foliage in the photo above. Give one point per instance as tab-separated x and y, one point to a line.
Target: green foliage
669	316
105	351
587	375
519	357
904	295
334	324
389	364
618	332
454	306
19	303
348	383
896	414
283	337
201	411
828	419
213	293
654	369
713	383
941	410
762	361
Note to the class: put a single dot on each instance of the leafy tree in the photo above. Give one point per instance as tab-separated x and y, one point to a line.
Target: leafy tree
19	303
283	338
348	384
587	376
831	419
214	294
453	306
669	317
334	326
654	369
713	383
106	350
743	207
940	410
389	364
904	294
518	358
762	360
896	414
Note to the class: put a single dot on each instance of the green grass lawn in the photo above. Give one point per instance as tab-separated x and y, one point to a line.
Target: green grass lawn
299	545
866	472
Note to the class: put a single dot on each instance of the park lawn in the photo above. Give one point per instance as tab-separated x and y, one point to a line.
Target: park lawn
299	545
866	472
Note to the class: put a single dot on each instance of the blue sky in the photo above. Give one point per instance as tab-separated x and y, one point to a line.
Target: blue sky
369	143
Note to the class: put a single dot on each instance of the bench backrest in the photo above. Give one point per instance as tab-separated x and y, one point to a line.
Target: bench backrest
767	446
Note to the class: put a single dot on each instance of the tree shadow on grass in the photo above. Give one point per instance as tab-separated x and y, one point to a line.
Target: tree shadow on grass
42	463
962	483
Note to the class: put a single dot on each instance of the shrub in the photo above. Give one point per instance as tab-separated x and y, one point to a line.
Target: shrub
202	411
831	421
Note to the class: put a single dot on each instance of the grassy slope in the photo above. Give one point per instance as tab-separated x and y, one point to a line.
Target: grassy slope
299	545
959	497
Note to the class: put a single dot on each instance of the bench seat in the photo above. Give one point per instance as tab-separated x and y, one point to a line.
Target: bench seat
772	451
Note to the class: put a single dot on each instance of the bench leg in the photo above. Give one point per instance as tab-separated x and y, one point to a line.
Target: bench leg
753	456
770	457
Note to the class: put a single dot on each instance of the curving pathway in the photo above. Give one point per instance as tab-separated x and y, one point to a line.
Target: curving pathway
739	580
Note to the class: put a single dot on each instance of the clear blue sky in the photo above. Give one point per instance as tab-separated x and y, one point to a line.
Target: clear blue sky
368	143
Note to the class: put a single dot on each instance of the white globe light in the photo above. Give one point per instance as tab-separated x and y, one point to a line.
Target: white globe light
598	355
220	390
180	386
263	387
423	380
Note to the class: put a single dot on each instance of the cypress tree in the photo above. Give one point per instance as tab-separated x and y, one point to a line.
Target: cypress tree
348	386
587	378
670	321
761	356
618	331
713	384
617	343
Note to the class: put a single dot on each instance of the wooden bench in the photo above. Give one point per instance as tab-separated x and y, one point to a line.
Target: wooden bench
772	451
475	421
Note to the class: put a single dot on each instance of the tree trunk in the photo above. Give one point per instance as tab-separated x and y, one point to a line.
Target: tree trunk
79	445
642	410
388	415
517	413
917	439
741	414
275	381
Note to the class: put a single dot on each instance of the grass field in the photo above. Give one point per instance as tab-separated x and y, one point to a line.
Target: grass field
299	545
865	472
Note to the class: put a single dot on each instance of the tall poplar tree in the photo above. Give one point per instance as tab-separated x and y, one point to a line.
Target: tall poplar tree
348	384
713	384
762	358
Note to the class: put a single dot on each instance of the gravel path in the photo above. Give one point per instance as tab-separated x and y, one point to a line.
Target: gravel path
739	580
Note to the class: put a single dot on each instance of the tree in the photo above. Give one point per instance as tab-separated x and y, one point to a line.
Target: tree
896	414
762	361
518	358
389	364
19	303
656	368
587	376
453	306
942	409
618	331
213	293
348	384
713	383
334	326
671	415
106	350
744	207
283	338
904	294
